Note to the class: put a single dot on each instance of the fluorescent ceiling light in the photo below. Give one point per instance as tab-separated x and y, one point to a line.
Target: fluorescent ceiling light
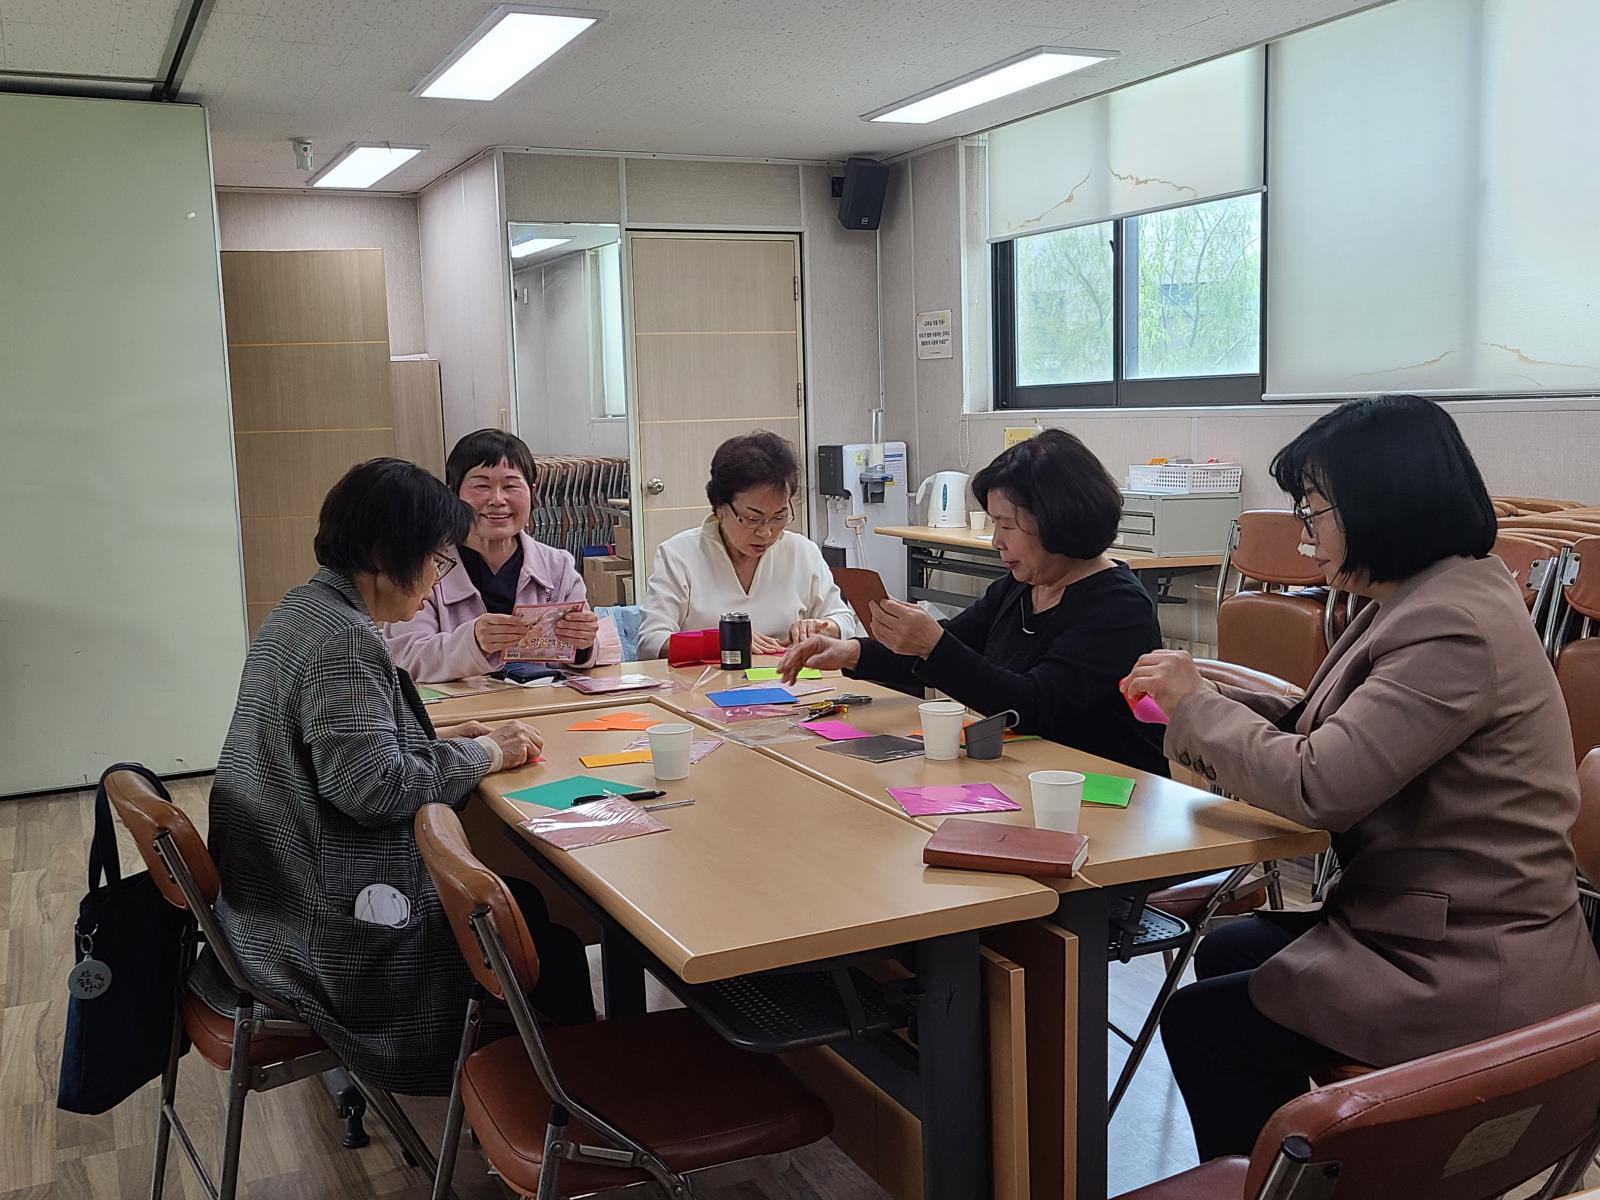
511	42
363	164
1026	70
534	245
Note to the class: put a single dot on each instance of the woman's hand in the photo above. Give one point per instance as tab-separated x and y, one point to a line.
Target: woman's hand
823	653
579	628
904	628
1166	676
498	632
811	627
519	744
760	643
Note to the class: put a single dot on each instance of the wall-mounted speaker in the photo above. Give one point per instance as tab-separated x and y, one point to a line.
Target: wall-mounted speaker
861	197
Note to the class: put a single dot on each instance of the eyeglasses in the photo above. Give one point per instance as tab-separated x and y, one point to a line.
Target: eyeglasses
755	522
442	566
1307	516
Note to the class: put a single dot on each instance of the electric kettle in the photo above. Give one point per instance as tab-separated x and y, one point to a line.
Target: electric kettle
947	499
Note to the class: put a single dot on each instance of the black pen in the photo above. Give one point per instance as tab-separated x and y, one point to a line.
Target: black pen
647	794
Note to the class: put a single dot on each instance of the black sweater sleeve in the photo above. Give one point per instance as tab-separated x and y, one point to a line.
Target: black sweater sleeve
900	671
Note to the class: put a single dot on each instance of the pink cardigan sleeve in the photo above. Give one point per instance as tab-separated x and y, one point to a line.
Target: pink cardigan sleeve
430	654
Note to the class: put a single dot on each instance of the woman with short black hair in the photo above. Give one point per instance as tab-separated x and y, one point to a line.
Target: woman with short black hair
329	755
1433	745
469	619
745	558
1051	639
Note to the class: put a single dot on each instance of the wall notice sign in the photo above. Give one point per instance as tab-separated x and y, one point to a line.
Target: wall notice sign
933	334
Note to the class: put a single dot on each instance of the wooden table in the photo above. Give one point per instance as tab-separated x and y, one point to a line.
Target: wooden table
1168	832
508	700
771	868
789	822
962	552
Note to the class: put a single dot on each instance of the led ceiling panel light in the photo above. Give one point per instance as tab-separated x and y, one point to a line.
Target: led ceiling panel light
507	46
1026	70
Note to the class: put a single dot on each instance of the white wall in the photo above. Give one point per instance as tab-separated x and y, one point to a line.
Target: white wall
554	334
258	220
466	283
122	626
1524	447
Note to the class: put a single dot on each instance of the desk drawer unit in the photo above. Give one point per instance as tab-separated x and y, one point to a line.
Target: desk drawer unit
1162	524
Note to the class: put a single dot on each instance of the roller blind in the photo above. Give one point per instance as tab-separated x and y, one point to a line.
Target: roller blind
1434	166
1193	135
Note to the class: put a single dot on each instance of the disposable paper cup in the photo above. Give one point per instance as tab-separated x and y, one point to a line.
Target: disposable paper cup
1057	798
669	751
978	521
941	728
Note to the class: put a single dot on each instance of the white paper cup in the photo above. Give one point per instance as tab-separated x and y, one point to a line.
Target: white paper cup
977	521
669	750
1057	799
941	728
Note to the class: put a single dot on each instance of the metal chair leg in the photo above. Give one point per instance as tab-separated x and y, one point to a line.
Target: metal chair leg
1568	1174
238	1093
555	1134
169	1093
1274	884
444	1174
398	1124
1152	1022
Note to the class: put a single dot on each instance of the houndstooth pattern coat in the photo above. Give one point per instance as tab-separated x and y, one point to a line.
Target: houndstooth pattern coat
325	764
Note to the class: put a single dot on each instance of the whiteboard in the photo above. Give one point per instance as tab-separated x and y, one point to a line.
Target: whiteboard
122	627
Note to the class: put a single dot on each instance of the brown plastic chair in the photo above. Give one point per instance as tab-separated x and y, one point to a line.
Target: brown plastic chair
1536	504
860	588
550	1106
1466	1124
1577	662
1586	841
1519	554
217	1008
1285	627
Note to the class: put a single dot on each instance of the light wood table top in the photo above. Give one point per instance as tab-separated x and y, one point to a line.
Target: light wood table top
509	700
965	539
1167	829
769	867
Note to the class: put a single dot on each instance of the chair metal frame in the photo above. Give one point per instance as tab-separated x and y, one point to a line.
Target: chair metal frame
242	1077
1176	963
624	1152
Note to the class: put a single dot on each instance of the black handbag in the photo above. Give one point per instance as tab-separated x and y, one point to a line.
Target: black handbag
130	945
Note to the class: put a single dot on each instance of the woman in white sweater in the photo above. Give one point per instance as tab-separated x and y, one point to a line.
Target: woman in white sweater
744	558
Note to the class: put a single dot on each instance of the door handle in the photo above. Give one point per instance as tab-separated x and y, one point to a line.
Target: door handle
655	487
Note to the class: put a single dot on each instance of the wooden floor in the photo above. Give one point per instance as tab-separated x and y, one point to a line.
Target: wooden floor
291	1143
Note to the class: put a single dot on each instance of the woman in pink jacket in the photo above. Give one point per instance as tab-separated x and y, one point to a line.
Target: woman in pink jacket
467	622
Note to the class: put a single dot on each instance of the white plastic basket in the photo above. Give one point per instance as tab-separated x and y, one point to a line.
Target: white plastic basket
1186	479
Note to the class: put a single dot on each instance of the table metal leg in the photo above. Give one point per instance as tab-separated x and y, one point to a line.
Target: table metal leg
1087	916
955	1095
622	974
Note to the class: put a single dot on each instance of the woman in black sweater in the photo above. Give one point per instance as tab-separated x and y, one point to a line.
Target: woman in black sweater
1053	638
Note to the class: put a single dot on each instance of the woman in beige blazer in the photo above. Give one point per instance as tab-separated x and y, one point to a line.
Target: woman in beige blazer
1433	745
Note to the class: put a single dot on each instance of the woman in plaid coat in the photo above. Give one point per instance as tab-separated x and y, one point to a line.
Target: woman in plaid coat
330	754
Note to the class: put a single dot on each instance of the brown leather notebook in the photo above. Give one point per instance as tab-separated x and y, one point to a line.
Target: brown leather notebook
1008	849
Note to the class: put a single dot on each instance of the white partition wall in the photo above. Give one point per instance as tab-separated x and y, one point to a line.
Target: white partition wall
122	624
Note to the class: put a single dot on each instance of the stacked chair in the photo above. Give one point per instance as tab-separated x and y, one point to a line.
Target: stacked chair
1281	618
569	500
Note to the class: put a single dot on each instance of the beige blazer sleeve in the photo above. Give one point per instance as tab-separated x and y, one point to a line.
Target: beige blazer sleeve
1264	703
1428	683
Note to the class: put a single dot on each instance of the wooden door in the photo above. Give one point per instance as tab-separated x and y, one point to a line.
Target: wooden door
716	352
308	360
